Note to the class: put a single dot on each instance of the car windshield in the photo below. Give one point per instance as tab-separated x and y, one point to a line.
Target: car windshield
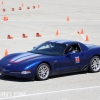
49	48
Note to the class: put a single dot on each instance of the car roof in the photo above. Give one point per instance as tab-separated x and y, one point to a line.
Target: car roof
63	41
69	42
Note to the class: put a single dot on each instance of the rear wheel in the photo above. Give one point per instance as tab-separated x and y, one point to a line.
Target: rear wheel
43	71
94	64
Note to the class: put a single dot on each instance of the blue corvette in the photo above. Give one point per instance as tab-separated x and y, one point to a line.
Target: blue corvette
50	58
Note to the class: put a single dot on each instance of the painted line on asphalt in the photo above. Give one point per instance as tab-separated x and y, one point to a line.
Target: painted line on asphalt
83	36
51	92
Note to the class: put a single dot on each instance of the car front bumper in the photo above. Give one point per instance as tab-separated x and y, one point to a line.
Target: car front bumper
16	73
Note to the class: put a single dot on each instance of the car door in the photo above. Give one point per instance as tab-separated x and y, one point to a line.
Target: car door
73	61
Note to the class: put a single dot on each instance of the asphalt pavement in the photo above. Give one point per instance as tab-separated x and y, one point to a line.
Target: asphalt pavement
48	16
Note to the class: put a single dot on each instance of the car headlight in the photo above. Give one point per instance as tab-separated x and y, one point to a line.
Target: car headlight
25	72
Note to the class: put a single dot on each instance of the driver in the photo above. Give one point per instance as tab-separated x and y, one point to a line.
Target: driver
70	49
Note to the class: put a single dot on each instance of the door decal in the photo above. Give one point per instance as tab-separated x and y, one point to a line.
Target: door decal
77	59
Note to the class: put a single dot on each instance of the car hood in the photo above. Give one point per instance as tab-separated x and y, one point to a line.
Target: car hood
22	58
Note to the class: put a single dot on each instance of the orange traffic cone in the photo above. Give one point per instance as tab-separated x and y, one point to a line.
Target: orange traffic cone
33	7
3	10
38	6
87	38
12	9
24	36
28	7
78	32
82	31
2	3
57	33
38	35
22	4
5	18
9	37
68	19
19	8
6	52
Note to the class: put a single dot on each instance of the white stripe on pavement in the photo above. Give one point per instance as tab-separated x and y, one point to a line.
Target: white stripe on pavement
51	92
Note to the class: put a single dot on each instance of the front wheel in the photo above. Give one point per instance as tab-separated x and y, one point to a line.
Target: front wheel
94	65
43	71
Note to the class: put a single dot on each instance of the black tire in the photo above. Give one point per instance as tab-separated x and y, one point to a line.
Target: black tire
43	71
94	65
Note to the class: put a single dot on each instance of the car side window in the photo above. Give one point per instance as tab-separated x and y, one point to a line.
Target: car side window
74	48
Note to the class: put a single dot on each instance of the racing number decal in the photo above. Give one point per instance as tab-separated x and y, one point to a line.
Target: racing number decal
77	59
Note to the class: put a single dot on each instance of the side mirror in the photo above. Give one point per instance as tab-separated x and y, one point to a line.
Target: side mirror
34	47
